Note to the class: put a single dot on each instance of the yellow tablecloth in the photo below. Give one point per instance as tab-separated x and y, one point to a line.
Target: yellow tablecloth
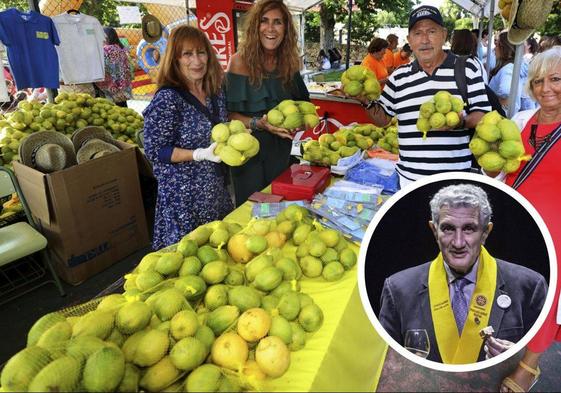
346	354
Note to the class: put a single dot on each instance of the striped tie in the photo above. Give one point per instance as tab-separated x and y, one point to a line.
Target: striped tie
459	304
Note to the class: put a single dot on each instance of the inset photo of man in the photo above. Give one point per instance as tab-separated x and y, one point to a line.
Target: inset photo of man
456	271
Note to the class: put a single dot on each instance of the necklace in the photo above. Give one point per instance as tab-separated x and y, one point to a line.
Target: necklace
537	141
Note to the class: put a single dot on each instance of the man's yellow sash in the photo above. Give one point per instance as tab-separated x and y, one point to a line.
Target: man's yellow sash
453	348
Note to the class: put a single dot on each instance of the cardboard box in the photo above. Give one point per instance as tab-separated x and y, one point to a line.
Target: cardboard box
92	214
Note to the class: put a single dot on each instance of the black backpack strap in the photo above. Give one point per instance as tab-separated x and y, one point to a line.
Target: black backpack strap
460	75
213	117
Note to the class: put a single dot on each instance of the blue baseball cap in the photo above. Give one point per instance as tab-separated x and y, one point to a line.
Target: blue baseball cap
425	12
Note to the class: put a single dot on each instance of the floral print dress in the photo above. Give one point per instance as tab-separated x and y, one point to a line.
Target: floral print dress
189	193
117	85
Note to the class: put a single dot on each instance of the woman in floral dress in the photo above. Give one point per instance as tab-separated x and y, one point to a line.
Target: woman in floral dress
177	126
117	85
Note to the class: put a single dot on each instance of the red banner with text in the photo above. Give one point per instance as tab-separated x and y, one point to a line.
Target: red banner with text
216	20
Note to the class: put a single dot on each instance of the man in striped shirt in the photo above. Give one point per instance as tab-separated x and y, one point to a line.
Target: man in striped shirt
411	85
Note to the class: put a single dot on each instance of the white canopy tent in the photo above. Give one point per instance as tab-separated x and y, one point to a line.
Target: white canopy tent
476	7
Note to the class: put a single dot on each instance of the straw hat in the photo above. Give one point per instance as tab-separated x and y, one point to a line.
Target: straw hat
527	16
95	148
85	134
151	28
47	151
93	142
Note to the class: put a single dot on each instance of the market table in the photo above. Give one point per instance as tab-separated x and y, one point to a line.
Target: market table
346	354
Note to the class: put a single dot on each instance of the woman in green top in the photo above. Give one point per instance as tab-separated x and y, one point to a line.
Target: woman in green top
265	71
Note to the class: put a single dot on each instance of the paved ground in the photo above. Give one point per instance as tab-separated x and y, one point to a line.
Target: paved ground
400	375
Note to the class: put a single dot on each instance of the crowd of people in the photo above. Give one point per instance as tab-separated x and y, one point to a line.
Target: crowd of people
383	58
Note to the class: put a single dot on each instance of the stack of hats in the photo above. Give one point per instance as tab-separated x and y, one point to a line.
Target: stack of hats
47	151
93	142
51	151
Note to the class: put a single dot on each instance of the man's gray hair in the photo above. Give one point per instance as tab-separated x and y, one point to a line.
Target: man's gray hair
461	195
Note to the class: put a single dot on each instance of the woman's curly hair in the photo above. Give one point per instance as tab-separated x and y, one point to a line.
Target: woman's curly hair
252	52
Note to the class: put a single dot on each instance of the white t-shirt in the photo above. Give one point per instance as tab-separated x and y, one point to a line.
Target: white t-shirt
81	48
3	87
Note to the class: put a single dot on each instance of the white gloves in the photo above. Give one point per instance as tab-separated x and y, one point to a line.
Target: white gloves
206	154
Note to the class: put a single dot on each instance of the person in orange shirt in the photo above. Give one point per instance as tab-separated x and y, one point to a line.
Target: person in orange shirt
374	62
402	56
389	55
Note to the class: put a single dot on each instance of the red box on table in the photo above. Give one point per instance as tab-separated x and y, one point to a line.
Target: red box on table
301	182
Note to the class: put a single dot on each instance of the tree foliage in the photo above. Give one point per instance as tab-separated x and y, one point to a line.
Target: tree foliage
363	27
553	23
312	26
451	13
19	4
371	15
105	11
386	18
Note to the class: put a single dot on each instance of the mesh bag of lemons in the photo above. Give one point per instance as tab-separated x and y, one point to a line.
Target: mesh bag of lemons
360	81
292	114
497	144
235	145
219	311
443	110
68	113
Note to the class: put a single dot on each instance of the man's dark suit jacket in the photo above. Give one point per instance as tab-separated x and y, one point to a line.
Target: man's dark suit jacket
405	304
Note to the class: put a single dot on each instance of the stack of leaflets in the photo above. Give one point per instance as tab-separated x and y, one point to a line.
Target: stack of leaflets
266	210
348	207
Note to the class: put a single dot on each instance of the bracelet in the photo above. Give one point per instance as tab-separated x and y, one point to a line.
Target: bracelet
253	124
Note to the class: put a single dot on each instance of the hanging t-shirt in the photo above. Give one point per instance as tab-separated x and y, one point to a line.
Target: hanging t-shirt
30	39
81	48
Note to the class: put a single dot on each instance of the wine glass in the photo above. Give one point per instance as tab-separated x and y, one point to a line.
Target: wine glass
417	341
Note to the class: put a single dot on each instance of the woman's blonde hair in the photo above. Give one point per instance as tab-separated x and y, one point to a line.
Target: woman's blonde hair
541	65
170	73
252	52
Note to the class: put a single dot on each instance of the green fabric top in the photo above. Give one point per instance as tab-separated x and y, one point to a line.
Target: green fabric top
252	101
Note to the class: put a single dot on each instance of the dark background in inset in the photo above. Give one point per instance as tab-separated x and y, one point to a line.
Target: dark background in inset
403	239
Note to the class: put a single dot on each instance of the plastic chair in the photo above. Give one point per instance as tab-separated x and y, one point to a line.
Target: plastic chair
21	240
